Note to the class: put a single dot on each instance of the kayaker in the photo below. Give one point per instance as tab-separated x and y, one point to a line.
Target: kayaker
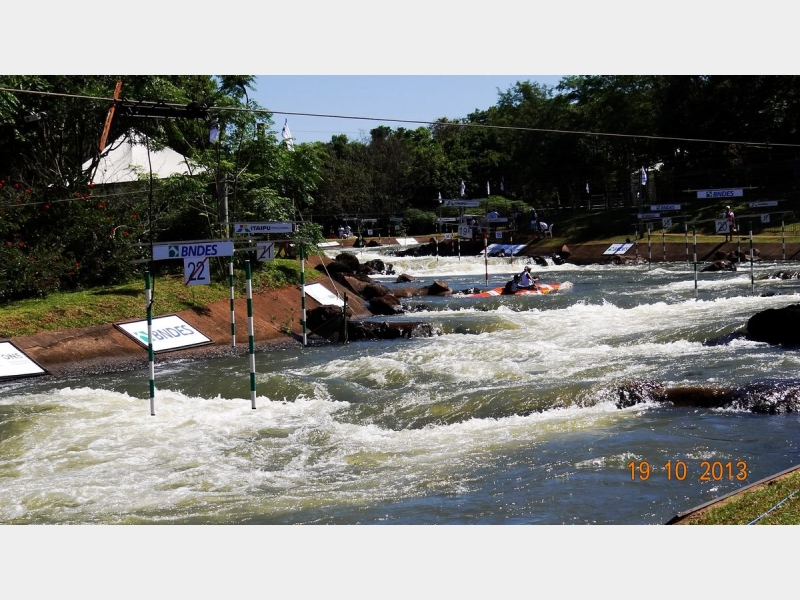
511	286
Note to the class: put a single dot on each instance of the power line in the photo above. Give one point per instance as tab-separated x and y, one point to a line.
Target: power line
763	144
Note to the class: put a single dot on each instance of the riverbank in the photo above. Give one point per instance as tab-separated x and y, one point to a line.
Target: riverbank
104	348
277	313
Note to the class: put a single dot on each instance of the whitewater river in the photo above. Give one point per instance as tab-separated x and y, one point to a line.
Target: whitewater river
507	416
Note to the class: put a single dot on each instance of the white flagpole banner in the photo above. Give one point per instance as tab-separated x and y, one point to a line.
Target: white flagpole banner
169	333
463	188
287	135
15	363
644	176
587	187
488	191
502	184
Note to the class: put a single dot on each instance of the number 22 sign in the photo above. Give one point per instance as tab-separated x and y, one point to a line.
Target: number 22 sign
196	271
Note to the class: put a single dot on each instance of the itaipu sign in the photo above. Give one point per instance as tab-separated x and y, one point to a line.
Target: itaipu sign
276	227
729	193
464	203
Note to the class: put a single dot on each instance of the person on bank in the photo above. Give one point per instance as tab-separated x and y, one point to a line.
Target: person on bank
512	286
729	217
526	279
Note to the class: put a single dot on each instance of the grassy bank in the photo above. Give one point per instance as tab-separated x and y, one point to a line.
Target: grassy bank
776	503
122	302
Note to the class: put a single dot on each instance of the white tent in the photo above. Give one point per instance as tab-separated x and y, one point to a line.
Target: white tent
125	159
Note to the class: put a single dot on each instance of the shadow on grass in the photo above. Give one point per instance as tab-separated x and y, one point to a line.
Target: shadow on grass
131	293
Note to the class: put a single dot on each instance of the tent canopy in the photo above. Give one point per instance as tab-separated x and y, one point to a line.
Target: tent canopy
127	158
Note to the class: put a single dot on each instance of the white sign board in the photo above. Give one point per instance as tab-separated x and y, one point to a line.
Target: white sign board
648	215
464	231
662	207
762	203
276	227
196	271
666	222
711	194
463	203
323	295
765	218
265	251
723	225
369	232
15	363
169	333
498	235
198	250
618	248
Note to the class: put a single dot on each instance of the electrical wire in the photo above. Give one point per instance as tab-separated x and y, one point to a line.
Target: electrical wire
764	144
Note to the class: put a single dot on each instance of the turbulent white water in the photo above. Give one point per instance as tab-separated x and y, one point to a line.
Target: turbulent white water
507	416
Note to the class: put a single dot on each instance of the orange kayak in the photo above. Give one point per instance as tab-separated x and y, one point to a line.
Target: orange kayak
538	290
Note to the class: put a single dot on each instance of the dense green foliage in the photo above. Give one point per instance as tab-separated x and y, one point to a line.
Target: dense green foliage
579	146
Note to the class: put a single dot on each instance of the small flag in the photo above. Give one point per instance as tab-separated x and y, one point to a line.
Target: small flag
463	188
488	191
440	196
287	135
502	184
214	135
587	187
644	176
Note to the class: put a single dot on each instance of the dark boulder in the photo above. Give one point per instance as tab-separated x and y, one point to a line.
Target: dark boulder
374	290
385	305
720	265
376	265
776	326
404	278
349	259
319	316
370	330
439	288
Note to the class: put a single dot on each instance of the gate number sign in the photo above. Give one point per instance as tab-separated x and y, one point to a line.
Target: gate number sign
196	271
266	251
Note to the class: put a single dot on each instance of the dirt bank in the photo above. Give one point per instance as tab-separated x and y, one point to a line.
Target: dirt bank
104	348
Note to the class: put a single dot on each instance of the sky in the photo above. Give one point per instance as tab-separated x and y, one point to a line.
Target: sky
403	97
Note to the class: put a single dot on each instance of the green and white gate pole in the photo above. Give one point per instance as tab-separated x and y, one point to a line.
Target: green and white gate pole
148	299
664	242
251	335
694	236
783	239
752	277
649	250
303	292
233	312
686	232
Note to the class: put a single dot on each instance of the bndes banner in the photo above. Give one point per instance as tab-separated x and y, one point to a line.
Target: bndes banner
15	363
730	193
169	333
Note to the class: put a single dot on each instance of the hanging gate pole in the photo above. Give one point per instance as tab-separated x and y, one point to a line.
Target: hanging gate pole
694	235
752	277
251	335
303	292
148	298
233	312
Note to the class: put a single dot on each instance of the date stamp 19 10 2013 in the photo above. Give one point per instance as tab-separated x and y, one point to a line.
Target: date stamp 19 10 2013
707	470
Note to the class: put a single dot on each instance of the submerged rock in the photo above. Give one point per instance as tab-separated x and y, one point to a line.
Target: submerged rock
769	397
